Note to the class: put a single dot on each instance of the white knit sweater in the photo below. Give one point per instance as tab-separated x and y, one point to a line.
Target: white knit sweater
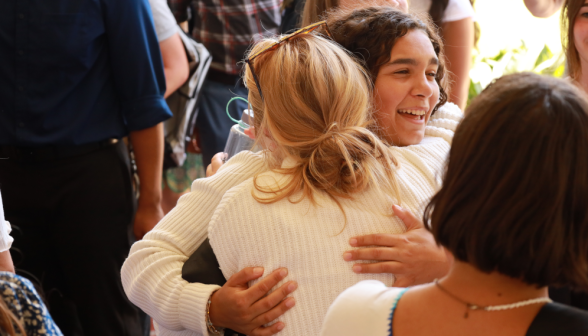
301	237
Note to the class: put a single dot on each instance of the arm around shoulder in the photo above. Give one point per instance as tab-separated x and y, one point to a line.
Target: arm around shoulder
151	275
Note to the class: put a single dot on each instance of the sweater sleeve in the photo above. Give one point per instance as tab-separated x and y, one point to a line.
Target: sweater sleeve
152	274
444	122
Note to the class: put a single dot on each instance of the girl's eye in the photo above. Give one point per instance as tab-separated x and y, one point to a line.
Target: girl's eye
585	15
401	72
432	74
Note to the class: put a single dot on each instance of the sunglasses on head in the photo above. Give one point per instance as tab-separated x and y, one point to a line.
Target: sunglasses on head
274	46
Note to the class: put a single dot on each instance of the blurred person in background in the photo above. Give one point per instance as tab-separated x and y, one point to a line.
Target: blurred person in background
512	214
77	77
173	54
316	10
176	180
574	20
543	8
455	19
574	29
227	29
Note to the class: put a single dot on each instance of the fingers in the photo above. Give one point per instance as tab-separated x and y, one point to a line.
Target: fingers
261	288
393	267
372	253
272	300
215	163
250	132
241	278
378	239
410	221
271	330
273	314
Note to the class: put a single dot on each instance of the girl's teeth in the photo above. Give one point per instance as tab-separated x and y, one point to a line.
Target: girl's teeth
413	112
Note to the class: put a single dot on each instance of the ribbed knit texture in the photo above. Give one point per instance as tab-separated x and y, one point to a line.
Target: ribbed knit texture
152	274
308	240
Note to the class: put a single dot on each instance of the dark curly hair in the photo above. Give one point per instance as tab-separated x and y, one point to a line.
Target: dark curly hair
370	34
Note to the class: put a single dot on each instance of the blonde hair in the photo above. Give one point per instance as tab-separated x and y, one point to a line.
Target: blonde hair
316	109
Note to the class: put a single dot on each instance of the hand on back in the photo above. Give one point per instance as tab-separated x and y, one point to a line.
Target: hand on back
246	310
413	257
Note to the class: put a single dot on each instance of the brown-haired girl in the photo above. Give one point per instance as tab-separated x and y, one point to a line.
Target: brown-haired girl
512	213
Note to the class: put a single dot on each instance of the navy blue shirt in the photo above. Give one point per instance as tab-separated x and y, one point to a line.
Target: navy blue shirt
78	71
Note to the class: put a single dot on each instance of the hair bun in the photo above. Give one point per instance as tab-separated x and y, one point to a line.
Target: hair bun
342	155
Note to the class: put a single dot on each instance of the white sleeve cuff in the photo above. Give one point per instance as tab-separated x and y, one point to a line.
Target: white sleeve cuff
192	306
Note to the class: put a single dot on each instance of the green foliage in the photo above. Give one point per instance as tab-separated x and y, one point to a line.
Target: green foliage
507	61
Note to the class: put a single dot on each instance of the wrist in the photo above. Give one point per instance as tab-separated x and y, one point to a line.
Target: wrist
212	322
149	198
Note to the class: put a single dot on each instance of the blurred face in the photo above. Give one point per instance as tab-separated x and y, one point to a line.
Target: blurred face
406	91
581	34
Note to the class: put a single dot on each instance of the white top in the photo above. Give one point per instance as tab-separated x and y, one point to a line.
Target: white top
165	23
151	275
364	309
456	9
5	229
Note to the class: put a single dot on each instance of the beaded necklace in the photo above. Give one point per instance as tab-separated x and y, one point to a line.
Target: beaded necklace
471	306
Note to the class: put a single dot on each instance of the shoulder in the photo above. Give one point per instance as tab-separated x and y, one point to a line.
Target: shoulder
557	319
238	169
458	10
246	160
239	204
444	122
11	280
364	308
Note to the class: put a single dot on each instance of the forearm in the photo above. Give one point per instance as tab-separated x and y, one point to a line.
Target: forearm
148	149
543	8
151	275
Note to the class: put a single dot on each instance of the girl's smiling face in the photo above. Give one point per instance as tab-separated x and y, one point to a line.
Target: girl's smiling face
405	90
